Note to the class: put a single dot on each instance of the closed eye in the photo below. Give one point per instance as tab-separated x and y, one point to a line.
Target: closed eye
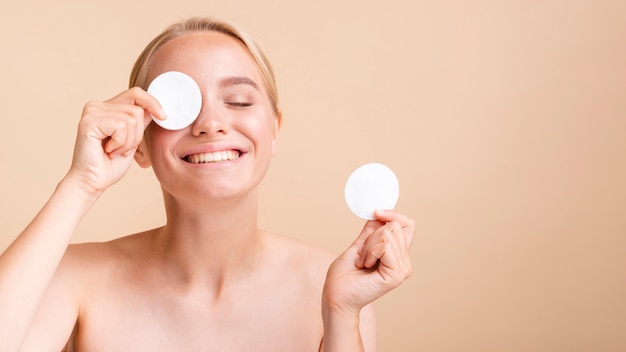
237	104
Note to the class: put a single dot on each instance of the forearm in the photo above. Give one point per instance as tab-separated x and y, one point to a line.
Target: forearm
27	266
341	331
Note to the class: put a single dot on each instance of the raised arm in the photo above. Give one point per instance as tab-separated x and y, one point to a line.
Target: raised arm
108	134
377	262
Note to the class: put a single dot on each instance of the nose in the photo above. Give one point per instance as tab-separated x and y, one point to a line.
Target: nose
210	121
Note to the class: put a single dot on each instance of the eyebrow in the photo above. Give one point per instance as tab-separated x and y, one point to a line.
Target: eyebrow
232	81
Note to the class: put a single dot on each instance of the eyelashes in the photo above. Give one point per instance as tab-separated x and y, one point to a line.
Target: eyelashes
237	104
238	100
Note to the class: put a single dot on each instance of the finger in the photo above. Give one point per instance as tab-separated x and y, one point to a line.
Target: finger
402	262
141	117
392	215
120	125
124	133
372	244
369	228
139	97
407	224
117	140
100	113
373	253
365	251
400	235
370	235
386	238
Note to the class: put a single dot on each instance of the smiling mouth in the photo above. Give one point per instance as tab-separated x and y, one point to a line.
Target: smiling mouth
215	157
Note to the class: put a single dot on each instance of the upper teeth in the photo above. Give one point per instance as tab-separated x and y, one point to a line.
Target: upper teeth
213	157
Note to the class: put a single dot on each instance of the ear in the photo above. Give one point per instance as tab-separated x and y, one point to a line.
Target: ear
142	156
276	132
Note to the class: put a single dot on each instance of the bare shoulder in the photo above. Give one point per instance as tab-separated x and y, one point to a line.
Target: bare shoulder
93	252
86	262
299	249
84	270
298	255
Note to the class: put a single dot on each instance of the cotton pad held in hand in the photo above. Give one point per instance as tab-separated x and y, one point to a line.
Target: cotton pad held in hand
371	187
180	97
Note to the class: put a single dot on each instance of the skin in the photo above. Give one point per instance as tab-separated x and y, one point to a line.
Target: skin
209	279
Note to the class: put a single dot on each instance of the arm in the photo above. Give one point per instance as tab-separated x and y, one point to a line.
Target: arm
374	264
108	134
349	331
27	266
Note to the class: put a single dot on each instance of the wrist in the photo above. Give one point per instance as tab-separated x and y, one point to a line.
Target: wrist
335	314
334	310
338	303
80	191
341	329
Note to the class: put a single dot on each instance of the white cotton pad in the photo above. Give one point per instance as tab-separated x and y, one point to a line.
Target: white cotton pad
371	187
180	97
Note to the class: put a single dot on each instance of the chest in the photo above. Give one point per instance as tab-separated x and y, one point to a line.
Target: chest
276	319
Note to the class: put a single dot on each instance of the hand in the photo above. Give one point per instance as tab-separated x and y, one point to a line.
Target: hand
108	134
377	262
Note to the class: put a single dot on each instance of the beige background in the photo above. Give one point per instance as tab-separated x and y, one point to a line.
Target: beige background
504	120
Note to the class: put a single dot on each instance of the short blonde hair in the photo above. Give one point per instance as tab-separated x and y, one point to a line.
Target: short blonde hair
139	74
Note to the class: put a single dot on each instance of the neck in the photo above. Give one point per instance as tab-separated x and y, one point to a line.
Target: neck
210	244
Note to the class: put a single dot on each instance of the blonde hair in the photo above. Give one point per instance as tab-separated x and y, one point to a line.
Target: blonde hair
139	74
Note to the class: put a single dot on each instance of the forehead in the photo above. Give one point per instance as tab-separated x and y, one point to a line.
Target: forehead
205	55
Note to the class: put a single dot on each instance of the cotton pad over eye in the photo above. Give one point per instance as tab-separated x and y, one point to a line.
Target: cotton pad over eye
371	187
180	97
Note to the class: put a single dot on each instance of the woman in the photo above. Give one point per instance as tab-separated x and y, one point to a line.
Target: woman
209	279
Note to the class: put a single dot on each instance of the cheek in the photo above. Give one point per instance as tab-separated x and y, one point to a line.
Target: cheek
158	140
260	128
159	135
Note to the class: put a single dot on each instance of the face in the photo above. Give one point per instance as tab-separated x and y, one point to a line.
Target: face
227	150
